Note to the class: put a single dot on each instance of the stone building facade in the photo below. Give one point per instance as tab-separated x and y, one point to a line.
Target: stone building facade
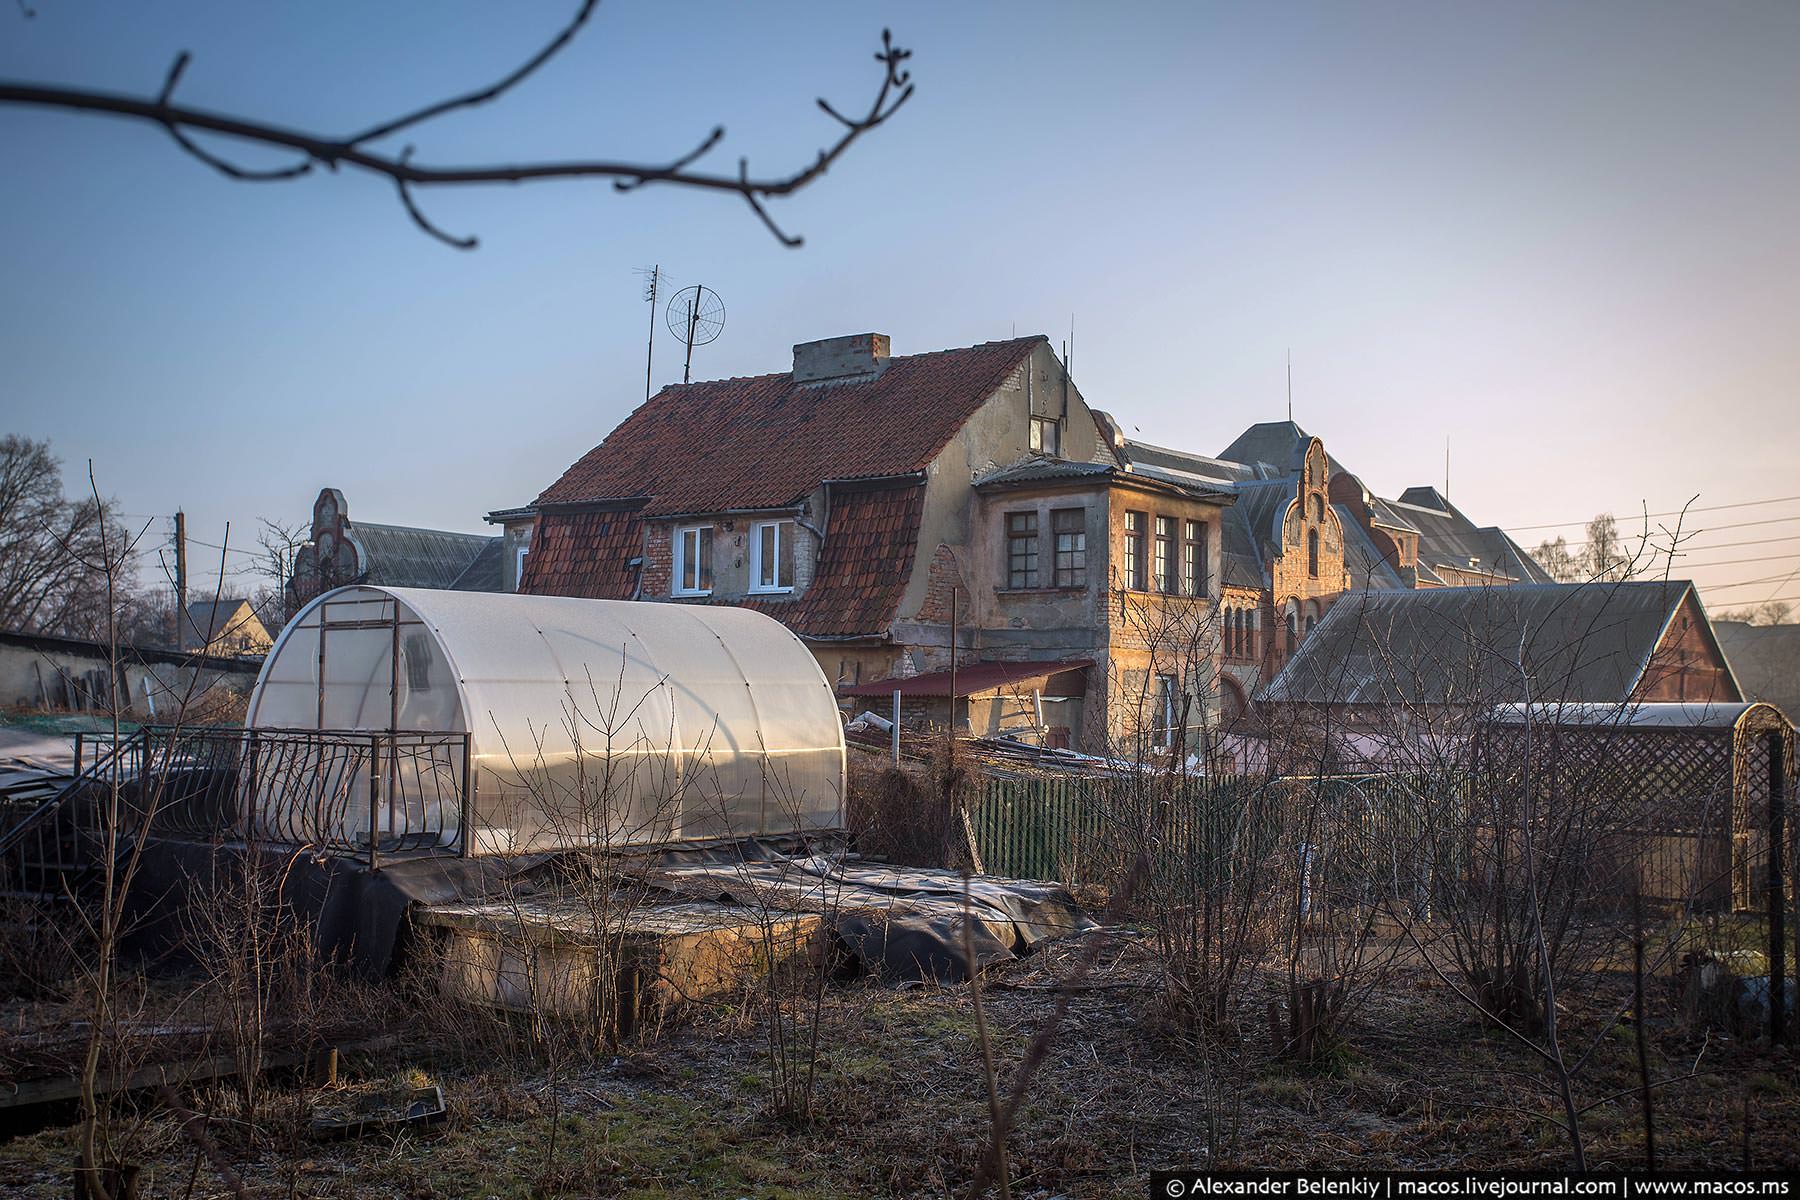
892	510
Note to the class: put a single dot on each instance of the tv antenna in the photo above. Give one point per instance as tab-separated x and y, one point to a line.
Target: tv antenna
653	281
695	316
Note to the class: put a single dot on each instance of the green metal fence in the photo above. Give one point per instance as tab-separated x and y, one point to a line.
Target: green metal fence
1080	830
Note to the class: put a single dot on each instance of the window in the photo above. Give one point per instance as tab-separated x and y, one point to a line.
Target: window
1318	508
519	566
1193	559
1069	525
1312	553
1167	711
1021	550
693	560
1134	551
1046	436
771	557
1166	578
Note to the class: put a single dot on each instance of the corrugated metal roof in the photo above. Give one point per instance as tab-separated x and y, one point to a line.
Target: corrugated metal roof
1766	660
1636	716
1482	645
404	556
1369	568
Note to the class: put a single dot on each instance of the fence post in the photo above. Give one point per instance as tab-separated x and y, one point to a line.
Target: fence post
1777	893
465	822
374	798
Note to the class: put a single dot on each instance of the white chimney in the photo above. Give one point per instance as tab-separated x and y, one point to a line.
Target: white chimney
853	356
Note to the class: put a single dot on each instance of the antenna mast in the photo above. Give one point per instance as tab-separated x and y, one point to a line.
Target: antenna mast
1446	468
652	278
1290	374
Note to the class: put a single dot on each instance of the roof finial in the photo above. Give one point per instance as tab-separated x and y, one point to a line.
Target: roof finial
1290	366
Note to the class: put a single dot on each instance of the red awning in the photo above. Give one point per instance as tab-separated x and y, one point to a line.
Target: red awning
970	679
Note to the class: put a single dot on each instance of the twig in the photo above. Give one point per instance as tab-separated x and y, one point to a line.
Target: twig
332	152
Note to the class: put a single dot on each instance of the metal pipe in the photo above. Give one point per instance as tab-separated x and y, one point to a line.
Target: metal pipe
465	823
374	798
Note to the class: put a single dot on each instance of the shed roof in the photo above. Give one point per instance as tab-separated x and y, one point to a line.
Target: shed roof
1719	715
1468	645
971	679
1766	660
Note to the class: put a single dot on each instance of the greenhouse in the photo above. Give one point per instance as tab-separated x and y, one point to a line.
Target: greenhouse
405	720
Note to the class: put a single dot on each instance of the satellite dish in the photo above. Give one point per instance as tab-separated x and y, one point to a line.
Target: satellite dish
695	316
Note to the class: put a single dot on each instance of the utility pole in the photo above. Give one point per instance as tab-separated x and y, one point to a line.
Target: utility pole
180	576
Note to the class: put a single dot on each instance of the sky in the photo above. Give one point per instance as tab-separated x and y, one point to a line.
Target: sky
1559	238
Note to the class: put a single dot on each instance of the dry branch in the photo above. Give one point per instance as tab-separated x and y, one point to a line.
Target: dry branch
316	149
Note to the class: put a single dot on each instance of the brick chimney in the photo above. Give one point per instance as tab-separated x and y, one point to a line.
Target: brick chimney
853	356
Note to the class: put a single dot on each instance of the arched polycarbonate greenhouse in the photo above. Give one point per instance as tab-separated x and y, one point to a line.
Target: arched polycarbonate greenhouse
401	719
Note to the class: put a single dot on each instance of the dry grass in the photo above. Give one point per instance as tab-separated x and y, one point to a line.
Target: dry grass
902	1107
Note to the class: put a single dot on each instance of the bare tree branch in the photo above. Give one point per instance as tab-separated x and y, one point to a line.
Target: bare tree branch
180	121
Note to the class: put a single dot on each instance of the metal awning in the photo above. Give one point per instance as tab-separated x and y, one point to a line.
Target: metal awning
971	678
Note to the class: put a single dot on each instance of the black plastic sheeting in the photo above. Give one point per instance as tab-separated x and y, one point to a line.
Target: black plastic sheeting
898	922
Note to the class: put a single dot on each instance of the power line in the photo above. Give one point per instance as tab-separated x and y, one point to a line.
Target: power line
1676	513
1627	538
1744	583
1679	561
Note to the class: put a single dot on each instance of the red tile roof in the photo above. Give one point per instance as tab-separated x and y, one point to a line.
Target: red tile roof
584	554
765	441
868	558
855	588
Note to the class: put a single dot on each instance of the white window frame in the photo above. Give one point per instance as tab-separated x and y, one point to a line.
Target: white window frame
757	586
519	554
1050	447
679	582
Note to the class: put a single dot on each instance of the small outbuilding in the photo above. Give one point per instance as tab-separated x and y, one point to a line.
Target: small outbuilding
396	719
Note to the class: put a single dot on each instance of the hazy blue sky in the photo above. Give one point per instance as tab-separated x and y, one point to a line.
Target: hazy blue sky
1566	236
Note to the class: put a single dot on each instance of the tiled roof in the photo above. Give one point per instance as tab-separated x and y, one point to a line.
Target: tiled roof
854	591
584	554
868	558
1467	645
765	441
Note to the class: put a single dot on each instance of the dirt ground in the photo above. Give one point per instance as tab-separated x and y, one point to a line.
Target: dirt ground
901	1102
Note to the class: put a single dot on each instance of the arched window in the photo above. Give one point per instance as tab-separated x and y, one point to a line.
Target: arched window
1293	630
1318	508
1312	553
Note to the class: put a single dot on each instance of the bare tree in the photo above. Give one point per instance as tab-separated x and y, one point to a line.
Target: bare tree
359	150
1770	612
46	539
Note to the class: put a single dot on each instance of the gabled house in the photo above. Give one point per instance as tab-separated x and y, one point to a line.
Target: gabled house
1306	532
224	629
888	507
1477	647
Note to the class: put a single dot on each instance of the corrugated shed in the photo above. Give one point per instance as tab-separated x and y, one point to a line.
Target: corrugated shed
1469	645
